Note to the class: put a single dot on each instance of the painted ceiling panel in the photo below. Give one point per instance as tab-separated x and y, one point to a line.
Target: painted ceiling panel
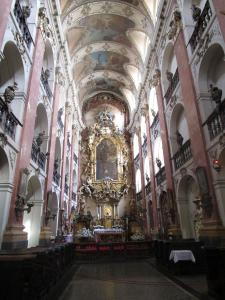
102	47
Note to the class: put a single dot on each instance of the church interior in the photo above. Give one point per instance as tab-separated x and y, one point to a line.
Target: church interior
112	149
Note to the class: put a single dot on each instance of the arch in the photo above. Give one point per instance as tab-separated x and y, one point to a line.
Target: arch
158	152
135	145
53	205
58	151
152	6
143	129
32	221
219	184
134	74
49	64
153	104
169	63
178	123
12	70
5	191
188	192
4	167
138	181
141	42
146	170
212	69
41	126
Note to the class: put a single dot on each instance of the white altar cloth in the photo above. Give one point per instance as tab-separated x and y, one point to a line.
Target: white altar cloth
184	255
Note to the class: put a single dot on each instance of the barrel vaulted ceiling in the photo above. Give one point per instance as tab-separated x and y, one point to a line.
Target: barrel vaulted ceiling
108	42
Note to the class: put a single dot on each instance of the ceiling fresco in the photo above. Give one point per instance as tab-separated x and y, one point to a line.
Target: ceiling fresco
107	28
101	60
102	38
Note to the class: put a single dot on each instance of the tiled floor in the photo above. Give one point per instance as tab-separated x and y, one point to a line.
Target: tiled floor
122	281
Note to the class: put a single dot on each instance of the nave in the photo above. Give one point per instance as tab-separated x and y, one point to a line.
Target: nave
130	280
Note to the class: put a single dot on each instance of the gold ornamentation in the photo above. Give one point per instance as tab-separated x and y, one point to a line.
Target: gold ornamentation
107	189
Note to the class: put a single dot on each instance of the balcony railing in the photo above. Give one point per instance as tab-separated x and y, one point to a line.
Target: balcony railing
183	155
44	80
201	26
74	196
145	148
75	158
56	178
37	156
66	189
155	122
137	161
172	86
21	20
139	196
8	121
216	122
148	188
160	176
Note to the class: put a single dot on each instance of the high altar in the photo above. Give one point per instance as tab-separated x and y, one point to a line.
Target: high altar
104	193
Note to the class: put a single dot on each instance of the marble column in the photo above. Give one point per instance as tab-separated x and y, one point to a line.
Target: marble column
151	168
14	236
5	6
193	118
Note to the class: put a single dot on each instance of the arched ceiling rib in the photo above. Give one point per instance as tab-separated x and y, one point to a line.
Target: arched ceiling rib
106	40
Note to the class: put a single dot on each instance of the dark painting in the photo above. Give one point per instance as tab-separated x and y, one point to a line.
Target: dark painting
106	160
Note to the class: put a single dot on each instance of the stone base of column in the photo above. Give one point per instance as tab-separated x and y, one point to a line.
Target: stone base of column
174	231
14	238
212	234
45	235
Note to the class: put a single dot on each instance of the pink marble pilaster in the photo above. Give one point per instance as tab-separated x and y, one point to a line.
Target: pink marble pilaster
192	113
51	147
63	166
152	171
142	176
5	6
165	138
71	170
29	117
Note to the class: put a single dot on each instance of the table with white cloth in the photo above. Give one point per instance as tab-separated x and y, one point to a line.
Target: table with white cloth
182	255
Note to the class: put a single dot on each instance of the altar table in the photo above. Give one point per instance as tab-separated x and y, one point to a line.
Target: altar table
181	255
109	235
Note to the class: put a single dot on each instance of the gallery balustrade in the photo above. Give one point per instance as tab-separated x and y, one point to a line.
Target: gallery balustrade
8	120
37	156
200	26
172	86
216	122
160	176
21	20
183	155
